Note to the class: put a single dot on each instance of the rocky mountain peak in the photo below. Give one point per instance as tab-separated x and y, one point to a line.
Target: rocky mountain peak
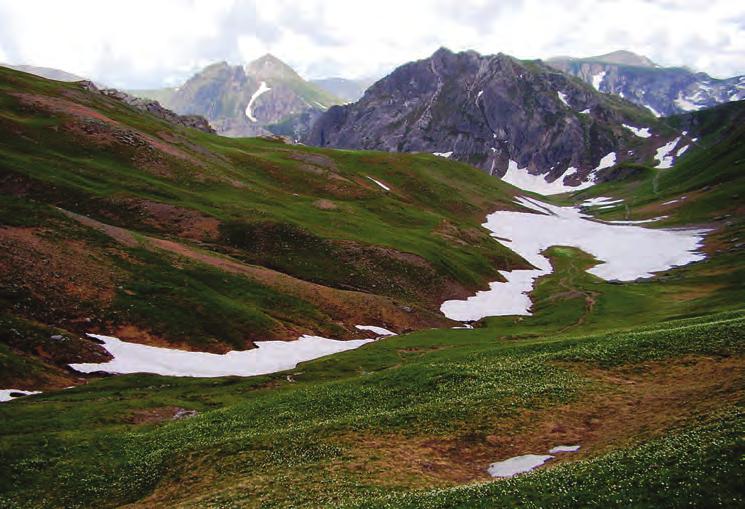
492	111
270	67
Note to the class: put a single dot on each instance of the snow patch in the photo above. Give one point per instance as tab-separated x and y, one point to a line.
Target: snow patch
600	200
606	162
519	177
517	465
379	183
564	448
664	154
563	98
5	394
685	103
654	111
642	132
445	154
380	331
639	221
262	88
597	80
681	151
627	253
268	357
586	111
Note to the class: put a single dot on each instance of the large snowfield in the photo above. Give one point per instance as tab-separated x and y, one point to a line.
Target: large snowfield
625	252
268	357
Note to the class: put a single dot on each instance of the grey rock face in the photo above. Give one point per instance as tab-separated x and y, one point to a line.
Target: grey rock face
663	90
488	110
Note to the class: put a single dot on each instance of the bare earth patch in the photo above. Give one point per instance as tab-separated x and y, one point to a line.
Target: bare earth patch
635	403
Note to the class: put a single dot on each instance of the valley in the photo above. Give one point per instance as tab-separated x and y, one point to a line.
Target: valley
481	267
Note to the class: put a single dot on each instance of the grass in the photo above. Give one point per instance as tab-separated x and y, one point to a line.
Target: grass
647	375
252	200
456	390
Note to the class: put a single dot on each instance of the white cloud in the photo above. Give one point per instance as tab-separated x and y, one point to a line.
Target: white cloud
144	43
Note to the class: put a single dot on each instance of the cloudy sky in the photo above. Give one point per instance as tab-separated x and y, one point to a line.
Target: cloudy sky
149	43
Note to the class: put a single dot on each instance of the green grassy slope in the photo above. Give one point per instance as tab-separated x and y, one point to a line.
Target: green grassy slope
646	376
206	241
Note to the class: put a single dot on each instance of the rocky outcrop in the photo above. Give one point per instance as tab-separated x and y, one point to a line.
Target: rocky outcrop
152	107
488	111
663	90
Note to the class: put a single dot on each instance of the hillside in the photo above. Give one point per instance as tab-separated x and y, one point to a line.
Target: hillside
116	221
621	390
519	120
664	91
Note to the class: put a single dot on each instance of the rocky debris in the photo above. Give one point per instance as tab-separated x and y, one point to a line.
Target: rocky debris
152	107
183	413
487	111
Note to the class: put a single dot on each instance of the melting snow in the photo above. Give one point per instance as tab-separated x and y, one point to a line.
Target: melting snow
262	88
654	111
640	132
379	183
685	103
268	357
564	448
597	80
445	154
519	177
681	151
380	331
5	394
586	111
626	253
600	200
606	162
639	221
563	98
664	154
517	465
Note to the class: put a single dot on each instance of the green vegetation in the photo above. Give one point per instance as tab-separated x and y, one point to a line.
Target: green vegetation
241	215
196	239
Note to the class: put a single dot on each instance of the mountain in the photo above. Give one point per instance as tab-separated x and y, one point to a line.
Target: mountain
520	120
349	90
263	97
186	245
663	90
45	72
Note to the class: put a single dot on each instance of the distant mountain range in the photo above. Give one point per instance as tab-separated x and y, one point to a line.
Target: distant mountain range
349	90
267	97
662	90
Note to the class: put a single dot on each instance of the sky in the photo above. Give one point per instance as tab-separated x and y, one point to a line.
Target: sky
152	43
